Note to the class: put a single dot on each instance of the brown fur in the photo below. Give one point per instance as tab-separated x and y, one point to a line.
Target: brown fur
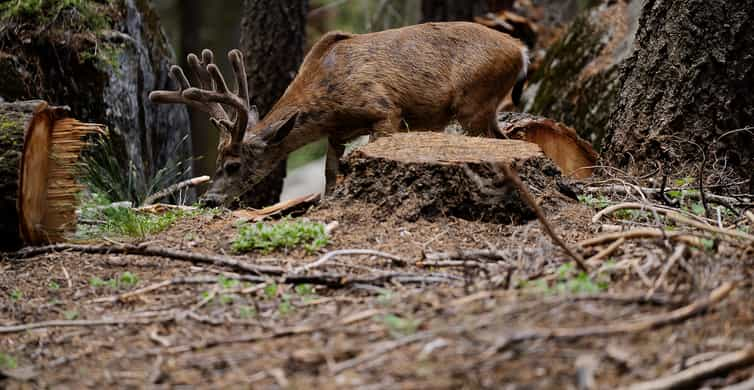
413	78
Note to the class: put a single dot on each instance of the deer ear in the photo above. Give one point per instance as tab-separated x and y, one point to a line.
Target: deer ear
276	133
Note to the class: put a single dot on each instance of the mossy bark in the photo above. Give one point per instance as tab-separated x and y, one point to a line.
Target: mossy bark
423	175
686	90
13	120
104	72
578	82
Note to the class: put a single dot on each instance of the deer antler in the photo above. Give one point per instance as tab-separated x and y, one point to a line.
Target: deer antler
213	94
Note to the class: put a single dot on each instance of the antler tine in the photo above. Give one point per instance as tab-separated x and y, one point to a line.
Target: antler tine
236	60
222	95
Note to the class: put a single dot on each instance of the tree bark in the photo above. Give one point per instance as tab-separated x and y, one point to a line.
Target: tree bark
273	37
686	90
457	10
423	175
39	149
104	73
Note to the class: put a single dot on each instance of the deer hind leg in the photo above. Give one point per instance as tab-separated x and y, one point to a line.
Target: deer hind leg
335	150
480	121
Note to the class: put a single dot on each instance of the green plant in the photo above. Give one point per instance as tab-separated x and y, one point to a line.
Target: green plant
124	221
103	172
285	306
569	281
53	286
304	290
16	295
271	290
70	315
7	362
399	326
246	312
598	202
285	234
227	283
124	280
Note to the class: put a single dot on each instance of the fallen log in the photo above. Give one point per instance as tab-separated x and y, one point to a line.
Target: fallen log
424	174
39	147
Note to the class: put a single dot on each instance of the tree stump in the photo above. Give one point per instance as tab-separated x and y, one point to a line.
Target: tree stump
427	174
39	147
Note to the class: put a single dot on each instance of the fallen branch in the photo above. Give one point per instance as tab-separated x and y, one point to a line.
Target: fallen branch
380	350
348	252
283	208
607	251
175	188
71	323
677	236
511	175
691	377
147	250
488	255
677	255
726	201
675	216
638	325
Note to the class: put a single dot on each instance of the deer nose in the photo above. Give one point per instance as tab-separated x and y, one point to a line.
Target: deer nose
211	200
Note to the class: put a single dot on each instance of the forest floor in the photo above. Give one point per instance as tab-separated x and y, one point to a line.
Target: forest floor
439	317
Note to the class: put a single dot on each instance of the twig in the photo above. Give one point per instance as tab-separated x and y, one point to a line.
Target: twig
348	252
452	263
745	385
643	233
675	216
147	250
511	175
726	201
690	377
489	255
379	351
642	324
634	206
71	323
677	254
175	188
607	251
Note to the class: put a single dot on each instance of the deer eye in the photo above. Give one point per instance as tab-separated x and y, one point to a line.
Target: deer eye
232	167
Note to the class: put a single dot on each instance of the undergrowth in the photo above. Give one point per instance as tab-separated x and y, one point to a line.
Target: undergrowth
105	174
285	235
569	281
100	219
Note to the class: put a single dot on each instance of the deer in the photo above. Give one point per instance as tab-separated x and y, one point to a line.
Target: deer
415	78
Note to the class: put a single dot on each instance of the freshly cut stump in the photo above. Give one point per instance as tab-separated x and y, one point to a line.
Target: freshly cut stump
39	147
573	155
423	174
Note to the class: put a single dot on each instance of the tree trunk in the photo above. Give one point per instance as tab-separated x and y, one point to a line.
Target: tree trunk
686	89
455	10
273	37
39	148
102	59
423	174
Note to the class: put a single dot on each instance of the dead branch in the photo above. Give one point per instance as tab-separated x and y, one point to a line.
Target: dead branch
677	236
175	188
378	351
638	325
511	175
607	251
691	377
71	323
148	250
487	255
348	252
726	201
677	217
677	255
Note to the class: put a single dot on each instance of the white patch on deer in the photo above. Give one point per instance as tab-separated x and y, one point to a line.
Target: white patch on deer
524	63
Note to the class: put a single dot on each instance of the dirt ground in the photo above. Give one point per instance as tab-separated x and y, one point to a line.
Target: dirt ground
503	322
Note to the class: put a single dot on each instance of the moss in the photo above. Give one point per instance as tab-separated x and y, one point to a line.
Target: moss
70	15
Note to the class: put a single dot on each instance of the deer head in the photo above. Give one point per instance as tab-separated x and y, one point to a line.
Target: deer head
242	158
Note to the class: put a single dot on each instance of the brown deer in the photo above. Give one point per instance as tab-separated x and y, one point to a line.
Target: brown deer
415	78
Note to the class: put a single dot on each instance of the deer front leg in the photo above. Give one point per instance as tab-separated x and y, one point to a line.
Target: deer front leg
335	150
